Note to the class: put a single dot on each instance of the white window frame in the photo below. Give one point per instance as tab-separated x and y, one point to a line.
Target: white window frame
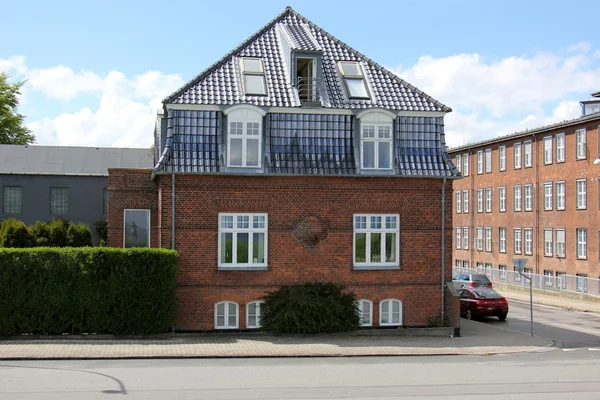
459	163
251	120
458	202
458	238
12	199
502	271
528	236
378	122
548	277
561	196
488	239
548	200
390	313
488	200
368	230
502	240
580	144
465	201
548	243
528	154
517	158
488	161
581	193
235	230
560	245
548	151
581	234
466	238
479	200
359	76
502	198
560	147
258	305
502	158
581	282
528	192
246	72
479	162
361	312
466	164
226	314
517	242
479	239
517	192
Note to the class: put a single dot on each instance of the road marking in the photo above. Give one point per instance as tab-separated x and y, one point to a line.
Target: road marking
570	349
592	349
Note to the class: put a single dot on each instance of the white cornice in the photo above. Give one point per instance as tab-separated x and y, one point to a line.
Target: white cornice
376	110
254	108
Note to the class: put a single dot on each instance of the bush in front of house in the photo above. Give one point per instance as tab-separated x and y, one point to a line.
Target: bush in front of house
52	291
79	235
14	233
309	308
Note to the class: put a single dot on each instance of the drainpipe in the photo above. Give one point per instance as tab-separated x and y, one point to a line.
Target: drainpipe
443	246
537	202
173	211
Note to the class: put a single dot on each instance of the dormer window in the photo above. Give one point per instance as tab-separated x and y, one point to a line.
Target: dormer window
354	78
254	76
376	138
244	136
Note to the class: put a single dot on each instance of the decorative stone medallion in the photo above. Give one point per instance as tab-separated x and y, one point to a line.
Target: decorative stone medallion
310	230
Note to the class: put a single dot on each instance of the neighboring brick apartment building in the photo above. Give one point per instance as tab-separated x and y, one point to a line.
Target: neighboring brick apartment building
534	195
295	159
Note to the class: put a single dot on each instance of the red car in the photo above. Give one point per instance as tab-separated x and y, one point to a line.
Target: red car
482	302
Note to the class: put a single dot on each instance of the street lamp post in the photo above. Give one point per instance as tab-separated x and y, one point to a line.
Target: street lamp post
519	265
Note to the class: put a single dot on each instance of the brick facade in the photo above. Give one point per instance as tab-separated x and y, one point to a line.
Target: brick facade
538	218
329	202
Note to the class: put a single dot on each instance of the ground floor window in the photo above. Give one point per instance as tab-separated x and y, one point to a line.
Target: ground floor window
376	240
582	283
136	228
561	280
253	314
365	312
242	240
548	277
502	271
227	315
390	312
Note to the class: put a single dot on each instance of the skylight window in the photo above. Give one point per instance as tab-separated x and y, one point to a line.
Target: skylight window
254	76
354	79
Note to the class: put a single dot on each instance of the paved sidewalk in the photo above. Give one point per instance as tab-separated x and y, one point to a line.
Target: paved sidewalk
550	300
476	339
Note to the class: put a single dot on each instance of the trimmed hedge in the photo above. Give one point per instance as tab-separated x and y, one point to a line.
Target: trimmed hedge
310	308
52	291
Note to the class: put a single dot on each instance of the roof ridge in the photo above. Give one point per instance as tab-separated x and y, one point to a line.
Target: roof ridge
230	54
374	63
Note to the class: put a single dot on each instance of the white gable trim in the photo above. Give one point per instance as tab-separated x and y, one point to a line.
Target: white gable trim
247	107
376	115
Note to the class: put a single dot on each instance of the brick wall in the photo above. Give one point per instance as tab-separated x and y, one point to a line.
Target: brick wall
328	201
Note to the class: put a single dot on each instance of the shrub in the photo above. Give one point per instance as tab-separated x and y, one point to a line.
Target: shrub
102	230
41	233
79	235
309	308
53	291
58	232
15	233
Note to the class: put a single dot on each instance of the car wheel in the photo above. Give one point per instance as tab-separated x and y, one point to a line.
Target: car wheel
469	314
502	317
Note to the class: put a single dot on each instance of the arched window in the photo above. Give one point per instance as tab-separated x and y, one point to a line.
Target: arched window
244	136
390	312
376	138
253	314
227	315
365	312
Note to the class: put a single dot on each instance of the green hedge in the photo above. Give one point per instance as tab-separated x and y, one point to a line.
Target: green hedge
310	308
51	291
56	233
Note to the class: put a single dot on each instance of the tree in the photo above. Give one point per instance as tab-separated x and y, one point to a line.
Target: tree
12	129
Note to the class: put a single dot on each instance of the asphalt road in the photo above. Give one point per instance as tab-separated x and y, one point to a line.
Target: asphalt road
552	375
568	329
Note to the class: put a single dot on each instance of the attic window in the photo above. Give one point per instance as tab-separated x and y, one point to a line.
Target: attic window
354	79
254	76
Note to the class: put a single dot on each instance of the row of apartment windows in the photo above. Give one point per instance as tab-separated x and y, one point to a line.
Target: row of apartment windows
59	200
227	313
523	197
554	241
551	277
523	154
243	240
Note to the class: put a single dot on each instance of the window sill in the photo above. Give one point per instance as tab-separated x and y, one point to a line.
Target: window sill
376	267
243	268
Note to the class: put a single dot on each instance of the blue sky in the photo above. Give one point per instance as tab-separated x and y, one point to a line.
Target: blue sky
96	72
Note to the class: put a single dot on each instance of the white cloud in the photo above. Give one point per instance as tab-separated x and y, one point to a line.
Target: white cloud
581	47
125	109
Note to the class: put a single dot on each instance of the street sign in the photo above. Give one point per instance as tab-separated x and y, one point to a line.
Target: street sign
519	264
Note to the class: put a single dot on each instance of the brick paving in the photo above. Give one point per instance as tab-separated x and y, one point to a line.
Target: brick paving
476	339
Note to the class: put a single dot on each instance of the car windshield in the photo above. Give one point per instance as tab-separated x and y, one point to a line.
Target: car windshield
487	294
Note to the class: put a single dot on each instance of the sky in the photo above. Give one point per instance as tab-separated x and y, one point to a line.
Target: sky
97	71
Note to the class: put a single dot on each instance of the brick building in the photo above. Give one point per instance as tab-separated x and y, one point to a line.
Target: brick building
533	195
295	159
